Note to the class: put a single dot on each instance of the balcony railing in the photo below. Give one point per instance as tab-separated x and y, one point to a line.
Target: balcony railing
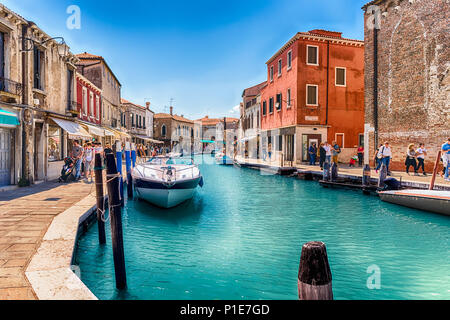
10	86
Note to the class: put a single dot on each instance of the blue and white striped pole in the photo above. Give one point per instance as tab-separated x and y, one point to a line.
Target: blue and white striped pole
119	168
133	154
128	168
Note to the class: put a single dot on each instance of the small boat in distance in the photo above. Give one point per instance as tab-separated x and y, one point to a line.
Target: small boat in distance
166	182
428	200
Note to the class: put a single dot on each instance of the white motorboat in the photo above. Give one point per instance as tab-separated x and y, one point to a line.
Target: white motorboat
428	200
166	182
223	159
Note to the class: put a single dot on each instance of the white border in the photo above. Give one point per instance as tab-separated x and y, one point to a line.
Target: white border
345	77
343	139
287	60
317	95
307	55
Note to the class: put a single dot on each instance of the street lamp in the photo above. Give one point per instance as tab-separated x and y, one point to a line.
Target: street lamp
63	48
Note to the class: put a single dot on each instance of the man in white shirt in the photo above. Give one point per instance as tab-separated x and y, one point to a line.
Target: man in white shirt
328	152
386	155
421	153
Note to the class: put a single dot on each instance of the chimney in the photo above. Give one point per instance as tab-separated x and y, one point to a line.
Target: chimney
171	111
148	105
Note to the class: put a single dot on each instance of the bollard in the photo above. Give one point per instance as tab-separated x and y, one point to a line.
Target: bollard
334	172
326	171
116	222
383	175
119	168
100	198
366	175
314	274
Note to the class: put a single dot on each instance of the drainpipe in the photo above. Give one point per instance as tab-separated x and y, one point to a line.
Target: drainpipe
328	78
375	84
24	180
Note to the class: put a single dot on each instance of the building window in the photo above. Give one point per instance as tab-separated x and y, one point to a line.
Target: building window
132	120
91	104
137	121
38	69
279	101
288	98
143	121
312	55
97	107
264	108
271	73
280	66
54	143
311	95
289	60
85	101
341	77
163	130
271	105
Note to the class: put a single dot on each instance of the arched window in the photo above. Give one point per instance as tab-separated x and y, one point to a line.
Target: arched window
163	130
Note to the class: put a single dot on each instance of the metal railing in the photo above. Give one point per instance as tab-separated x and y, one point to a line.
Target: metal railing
10	86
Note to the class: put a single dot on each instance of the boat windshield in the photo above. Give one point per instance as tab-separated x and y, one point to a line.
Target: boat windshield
170	161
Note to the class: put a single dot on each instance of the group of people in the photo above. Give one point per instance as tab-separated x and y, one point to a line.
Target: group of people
84	156
327	153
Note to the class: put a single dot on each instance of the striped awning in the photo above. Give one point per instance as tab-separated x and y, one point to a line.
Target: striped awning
95	130
8	119
75	130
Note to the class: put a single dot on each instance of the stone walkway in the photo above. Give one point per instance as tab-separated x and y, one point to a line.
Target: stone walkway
25	215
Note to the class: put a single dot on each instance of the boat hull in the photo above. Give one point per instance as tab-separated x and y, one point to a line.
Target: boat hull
164	196
437	202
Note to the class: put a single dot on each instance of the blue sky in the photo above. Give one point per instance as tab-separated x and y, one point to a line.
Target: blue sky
200	53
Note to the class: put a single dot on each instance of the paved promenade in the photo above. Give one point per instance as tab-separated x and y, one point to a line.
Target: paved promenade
345	170
25	215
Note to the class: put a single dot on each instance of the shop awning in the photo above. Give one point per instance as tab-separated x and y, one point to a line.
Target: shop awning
95	130
75	130
109	133
207	141
148	139
8	119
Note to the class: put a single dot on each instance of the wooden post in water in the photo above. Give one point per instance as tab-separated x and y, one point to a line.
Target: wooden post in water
435	171
383	176
119	168
326	171
116	221
100	198
334	172
128	169
133	154
366	175
314	274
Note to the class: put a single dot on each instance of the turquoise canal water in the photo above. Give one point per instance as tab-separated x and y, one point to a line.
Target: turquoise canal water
241	238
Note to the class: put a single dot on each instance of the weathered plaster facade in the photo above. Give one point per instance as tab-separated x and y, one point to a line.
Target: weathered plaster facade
413	75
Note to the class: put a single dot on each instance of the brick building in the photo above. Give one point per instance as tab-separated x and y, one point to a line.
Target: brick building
314	93
407	75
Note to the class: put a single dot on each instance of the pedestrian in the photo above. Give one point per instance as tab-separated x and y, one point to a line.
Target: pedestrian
378	156
328	153
360	155
336	150
421	153
77	155
446	159
322	155
270	151
353	161
386	155
312	154
411	159
88	160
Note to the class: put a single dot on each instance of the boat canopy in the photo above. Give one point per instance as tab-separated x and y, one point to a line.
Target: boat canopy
8	119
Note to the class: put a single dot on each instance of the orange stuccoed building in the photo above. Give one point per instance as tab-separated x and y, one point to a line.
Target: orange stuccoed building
314	93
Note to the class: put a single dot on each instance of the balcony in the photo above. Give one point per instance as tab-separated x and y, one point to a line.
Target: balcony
10	91
73	108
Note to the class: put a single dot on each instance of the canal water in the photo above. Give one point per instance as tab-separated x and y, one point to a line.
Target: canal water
241	238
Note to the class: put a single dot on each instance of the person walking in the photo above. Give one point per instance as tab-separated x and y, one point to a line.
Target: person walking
360	155
328	152
312	154
77	155
336	150
411	159
378	156
88	160
421	153
386	154
446	159
322	155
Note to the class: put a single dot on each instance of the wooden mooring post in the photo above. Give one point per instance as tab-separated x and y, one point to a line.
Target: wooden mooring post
435	171
113	185
334	172
100	198
326	171
314	274
383	176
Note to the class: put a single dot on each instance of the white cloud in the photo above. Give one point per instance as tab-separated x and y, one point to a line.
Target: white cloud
235	110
